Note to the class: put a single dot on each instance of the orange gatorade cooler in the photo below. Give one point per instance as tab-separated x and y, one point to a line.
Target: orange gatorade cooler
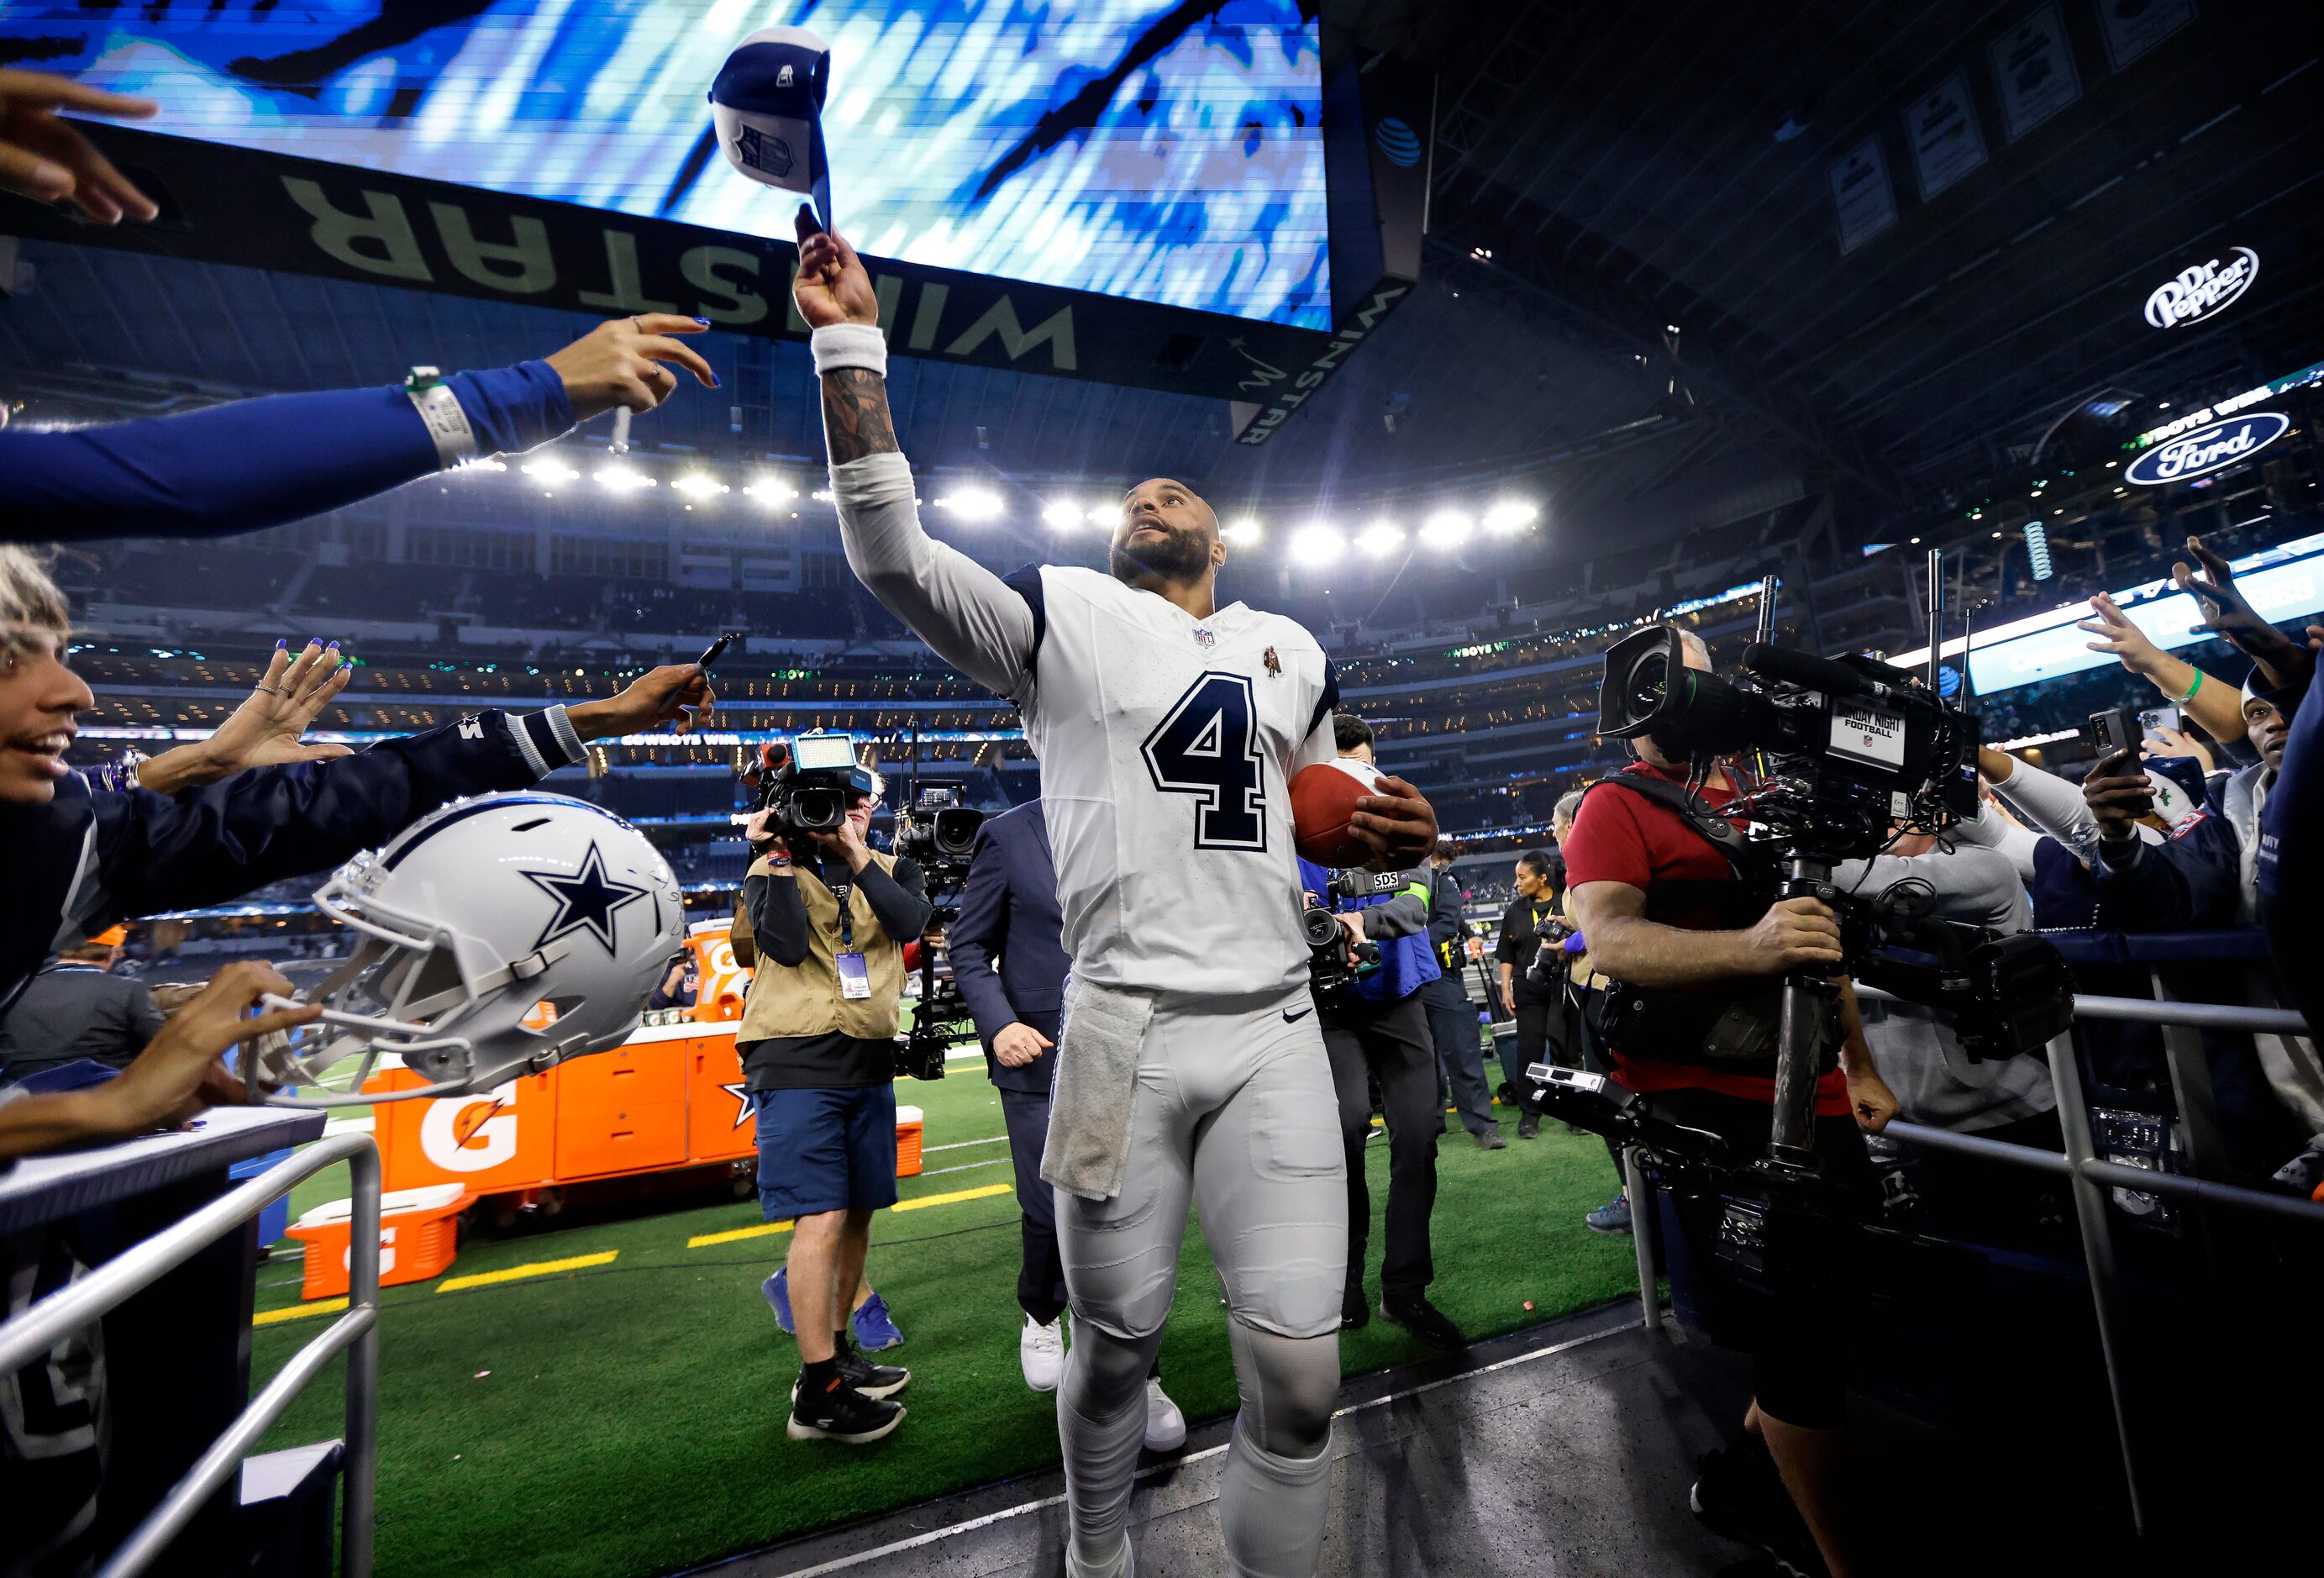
908	1142
419	1233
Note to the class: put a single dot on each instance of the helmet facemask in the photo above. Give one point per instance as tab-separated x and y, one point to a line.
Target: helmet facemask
407	989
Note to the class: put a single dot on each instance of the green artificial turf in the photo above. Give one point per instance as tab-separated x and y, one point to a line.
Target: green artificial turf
629	1420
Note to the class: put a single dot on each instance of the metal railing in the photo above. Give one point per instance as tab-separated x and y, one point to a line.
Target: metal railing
2089	1174
42	1325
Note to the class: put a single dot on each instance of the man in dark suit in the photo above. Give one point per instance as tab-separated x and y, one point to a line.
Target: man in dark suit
1008	913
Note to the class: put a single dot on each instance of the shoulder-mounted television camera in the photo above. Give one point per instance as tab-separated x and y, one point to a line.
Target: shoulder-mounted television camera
1854	748
939	828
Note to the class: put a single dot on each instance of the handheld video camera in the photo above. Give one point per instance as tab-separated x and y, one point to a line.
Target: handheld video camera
1329	971
810	786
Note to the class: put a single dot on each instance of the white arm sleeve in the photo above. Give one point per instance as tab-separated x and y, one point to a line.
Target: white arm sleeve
2050	803
1997	832
967	614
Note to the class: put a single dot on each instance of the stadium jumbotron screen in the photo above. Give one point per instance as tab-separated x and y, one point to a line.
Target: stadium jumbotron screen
1119	147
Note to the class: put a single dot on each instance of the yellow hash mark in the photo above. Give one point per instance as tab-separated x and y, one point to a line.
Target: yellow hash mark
704	1239
989	1190
537	1268
298	1311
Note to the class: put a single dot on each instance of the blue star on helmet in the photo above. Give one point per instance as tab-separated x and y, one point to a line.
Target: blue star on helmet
585	900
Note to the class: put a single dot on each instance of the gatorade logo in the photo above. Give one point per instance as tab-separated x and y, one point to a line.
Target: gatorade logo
472	1134
783	77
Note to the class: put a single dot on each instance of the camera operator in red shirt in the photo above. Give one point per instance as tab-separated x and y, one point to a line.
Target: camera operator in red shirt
1663	909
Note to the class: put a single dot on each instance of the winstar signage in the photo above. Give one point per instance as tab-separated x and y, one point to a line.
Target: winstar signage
2204	291
2206	449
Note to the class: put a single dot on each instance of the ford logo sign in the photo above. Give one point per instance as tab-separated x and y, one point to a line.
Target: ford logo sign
2203	291
2206	449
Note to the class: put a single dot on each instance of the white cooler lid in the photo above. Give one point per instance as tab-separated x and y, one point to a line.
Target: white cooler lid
906	1116
394	1203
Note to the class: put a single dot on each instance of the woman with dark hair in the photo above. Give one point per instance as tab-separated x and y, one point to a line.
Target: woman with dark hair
1540	882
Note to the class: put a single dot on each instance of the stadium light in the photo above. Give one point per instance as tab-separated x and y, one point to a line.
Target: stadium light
1105	516
693	484
1243	530
821	496
1318	544
1379	539
973	504
1061	516
1510	516
622	479
1447	529
770	491
549	470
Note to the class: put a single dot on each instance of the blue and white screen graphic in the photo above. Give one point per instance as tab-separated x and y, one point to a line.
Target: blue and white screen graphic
2283	582
1166	153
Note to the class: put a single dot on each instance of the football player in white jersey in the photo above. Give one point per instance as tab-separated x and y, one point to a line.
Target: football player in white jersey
1190	1066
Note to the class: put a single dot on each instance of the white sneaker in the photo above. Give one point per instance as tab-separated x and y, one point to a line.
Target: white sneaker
1165	1426
1041	1350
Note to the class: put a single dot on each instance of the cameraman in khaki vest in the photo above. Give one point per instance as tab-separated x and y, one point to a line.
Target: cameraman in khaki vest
829	918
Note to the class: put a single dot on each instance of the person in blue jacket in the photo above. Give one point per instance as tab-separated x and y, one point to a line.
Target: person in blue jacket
75	858
252	463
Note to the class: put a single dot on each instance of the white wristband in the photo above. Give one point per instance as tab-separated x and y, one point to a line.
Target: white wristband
439	411
849	344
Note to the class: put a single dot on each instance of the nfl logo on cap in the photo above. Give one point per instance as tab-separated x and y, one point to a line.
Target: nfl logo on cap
767	105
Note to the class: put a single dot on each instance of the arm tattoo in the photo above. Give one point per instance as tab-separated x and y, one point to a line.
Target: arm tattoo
855	419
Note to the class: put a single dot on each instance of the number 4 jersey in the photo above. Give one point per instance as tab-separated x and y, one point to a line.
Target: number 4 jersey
1166	744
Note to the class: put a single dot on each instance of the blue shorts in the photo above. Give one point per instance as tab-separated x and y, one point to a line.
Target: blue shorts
826	1150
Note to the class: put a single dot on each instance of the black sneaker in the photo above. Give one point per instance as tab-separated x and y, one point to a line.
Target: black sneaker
1738	1493
1492	1140
873	1380
1424	1320
1353	1311
841	1413
1529	1126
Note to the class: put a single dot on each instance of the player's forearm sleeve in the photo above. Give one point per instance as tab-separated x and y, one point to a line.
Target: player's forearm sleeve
967	614
2051	804
253	463
1998	832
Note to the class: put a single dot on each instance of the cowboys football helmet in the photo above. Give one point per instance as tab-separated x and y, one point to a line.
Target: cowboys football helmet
500	936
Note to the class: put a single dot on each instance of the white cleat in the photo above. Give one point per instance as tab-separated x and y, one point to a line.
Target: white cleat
1165	1426
1041	1350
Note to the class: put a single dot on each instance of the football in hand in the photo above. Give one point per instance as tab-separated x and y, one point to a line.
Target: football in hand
1324	798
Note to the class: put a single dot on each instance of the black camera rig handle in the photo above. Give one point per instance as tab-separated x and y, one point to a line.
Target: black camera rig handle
1809	994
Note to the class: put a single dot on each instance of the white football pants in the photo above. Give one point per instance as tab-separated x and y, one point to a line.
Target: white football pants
1235	1110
